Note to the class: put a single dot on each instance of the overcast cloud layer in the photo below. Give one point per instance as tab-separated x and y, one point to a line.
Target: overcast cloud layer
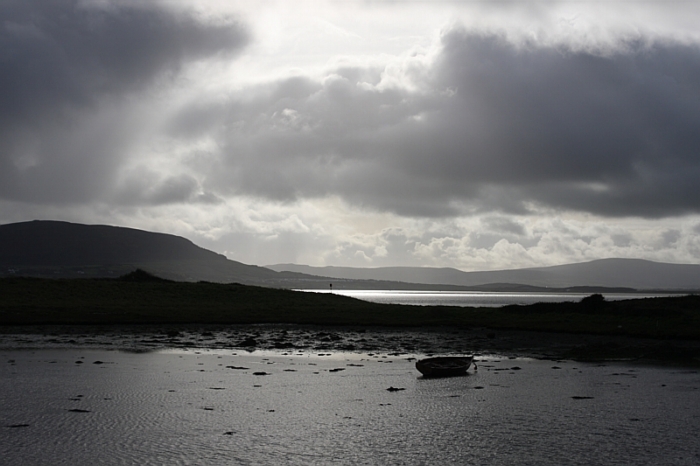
483	136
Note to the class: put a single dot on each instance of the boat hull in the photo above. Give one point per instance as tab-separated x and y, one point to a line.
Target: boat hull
444	366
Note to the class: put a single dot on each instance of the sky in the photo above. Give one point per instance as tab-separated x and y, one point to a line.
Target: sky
480	135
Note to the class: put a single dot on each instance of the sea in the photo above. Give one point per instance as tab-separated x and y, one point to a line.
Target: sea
475	298
221	407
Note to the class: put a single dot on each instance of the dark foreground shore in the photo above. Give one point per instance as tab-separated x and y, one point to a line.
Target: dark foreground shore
323	339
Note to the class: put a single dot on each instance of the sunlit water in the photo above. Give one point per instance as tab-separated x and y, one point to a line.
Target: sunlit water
472	298
80	407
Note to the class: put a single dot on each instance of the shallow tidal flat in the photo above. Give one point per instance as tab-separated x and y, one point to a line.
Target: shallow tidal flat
391	340
183	406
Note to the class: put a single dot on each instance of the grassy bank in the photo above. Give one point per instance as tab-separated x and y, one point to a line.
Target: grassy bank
146	300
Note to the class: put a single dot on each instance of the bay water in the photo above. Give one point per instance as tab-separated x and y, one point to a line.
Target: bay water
475	298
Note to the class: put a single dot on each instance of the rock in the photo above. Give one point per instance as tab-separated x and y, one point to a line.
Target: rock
248	343
394	389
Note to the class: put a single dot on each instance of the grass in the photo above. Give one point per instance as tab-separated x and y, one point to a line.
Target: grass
141	299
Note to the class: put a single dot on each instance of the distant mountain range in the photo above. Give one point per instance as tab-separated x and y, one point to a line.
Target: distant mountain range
47	248
614	273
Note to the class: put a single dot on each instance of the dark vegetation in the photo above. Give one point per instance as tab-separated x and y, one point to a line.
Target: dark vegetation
141	298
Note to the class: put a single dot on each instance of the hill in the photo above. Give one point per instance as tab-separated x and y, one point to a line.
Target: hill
44	248
54	249
613	273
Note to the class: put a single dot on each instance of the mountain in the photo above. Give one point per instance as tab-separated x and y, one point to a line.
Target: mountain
618	273
67	250
45	248
55	243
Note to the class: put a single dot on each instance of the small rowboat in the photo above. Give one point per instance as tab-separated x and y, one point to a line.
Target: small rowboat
444	366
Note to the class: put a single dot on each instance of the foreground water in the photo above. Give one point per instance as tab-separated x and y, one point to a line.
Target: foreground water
197	407
474	298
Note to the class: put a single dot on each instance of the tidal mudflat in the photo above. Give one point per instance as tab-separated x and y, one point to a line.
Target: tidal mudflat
213	406
392	340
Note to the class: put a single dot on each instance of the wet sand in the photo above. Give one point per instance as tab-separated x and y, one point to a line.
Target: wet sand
398	341
218	407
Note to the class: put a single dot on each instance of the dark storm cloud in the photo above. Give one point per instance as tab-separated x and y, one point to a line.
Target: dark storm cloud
300	138
61	61
145	187
492	127
612	134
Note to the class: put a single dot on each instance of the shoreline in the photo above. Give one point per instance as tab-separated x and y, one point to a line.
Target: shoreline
356	339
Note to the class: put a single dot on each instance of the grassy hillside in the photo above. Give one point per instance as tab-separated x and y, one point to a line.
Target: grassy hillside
139	299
